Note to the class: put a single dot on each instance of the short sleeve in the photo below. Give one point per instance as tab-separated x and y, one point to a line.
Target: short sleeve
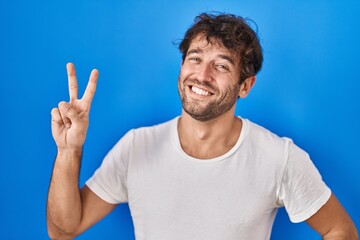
302	190
109	181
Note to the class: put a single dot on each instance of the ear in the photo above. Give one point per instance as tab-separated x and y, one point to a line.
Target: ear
246	86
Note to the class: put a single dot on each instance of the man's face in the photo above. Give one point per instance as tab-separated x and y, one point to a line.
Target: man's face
208	82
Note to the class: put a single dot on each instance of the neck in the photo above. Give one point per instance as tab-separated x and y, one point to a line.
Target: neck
205	140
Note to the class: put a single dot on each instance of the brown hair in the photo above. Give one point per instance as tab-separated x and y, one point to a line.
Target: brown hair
234	33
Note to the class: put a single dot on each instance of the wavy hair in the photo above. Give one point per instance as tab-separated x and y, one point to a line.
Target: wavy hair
234	33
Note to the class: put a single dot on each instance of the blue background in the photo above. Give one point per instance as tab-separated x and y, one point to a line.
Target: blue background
308	90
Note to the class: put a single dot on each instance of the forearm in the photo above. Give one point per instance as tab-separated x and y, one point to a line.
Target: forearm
64	201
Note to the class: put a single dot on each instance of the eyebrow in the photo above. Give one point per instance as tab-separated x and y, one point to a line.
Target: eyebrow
228	58
223	56
196	50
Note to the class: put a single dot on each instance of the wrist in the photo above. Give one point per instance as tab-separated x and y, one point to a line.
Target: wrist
74	151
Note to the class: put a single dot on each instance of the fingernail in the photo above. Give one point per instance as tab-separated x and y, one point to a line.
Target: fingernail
64	107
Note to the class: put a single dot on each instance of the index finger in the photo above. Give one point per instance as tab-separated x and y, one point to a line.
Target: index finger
91	87
73	85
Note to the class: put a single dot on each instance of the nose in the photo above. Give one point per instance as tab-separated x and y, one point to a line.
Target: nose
204	72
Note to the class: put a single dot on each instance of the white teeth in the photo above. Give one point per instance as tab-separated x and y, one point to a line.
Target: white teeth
200	91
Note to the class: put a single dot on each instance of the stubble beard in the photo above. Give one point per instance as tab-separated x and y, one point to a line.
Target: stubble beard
206	111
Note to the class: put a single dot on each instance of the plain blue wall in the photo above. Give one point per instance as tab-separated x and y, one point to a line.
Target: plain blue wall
308	90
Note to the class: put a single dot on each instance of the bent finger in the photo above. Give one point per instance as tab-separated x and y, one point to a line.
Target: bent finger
56	116
72	82
68	114
91	87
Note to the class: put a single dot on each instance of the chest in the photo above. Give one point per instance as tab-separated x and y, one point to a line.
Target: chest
229	196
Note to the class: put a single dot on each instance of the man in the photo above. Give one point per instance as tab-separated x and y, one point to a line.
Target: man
204	175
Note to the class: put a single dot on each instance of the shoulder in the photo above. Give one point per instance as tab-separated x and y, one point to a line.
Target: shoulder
260	136
149	135
158	129
140	139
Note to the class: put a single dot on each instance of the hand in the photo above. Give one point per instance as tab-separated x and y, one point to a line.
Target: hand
70	120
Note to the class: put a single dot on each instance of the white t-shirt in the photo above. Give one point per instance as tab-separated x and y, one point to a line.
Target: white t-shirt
172	195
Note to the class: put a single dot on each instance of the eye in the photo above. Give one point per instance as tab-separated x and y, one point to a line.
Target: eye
194	59
222	67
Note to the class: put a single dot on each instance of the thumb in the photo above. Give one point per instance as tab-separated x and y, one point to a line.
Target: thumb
68	114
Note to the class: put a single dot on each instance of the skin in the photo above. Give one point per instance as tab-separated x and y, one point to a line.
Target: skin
203	134
211	68
70	210
201	139
217	94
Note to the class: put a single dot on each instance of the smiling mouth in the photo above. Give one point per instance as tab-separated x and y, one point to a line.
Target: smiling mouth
200	91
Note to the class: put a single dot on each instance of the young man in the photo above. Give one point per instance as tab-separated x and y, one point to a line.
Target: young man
204	175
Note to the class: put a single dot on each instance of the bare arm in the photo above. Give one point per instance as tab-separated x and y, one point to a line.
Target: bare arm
332	222
64	200
69	210
93	209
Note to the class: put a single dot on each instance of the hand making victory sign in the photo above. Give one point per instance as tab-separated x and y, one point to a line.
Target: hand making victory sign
70	120
71	210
